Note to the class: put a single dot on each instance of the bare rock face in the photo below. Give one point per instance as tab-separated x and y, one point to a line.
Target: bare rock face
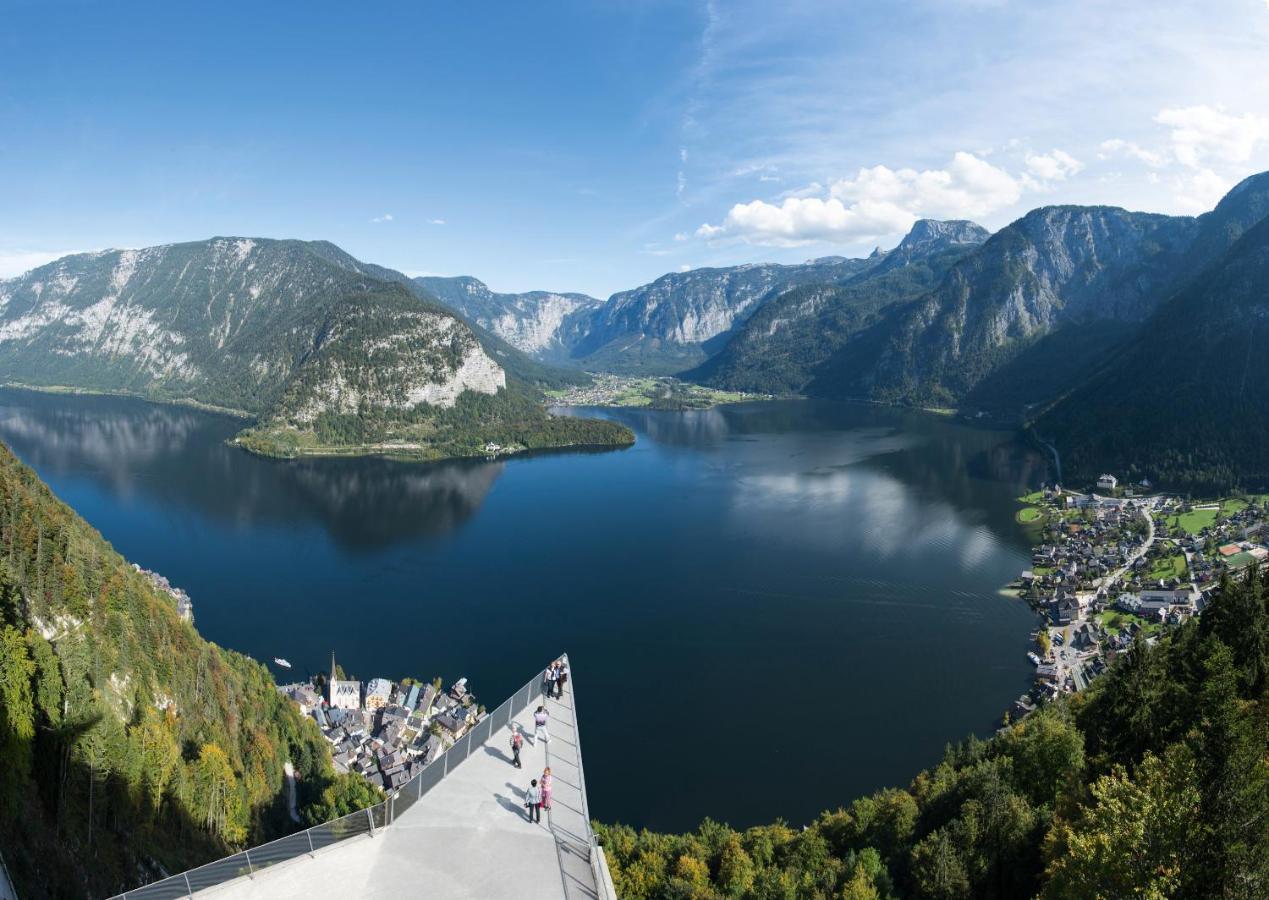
291	328
540	323
423	358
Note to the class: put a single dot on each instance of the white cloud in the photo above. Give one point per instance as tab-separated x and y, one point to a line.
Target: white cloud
1117	147
877	201
684	267
18	262
1203	133
1054	166
1200	191
437	221
386	217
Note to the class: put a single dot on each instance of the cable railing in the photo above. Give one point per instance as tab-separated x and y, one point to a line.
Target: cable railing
363	822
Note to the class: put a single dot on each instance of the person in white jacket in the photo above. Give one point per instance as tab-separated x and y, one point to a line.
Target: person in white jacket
533	801
539	725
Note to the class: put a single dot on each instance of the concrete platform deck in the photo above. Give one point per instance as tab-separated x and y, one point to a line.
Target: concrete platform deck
468	837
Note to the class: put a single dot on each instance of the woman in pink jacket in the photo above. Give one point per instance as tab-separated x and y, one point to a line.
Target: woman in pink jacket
546	788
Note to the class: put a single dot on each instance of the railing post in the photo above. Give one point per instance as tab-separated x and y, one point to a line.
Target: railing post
392	809
445	764
188	887
251	870
308	832
370	817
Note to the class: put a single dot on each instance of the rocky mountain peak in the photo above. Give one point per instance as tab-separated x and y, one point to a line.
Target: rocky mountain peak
927	234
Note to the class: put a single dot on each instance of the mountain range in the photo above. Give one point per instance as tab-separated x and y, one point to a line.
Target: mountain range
1062	321
1053	323
324	352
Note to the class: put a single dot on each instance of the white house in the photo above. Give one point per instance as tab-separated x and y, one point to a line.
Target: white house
1107	482
378	691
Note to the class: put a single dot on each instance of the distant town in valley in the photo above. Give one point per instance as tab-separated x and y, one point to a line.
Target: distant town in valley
1120	563
650	391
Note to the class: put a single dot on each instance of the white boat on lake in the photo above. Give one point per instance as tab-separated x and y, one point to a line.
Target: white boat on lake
281	662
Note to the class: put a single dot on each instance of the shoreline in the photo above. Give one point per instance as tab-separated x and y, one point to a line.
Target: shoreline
412	454
405	453
187	402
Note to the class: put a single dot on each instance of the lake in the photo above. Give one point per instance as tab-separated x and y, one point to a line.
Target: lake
771	608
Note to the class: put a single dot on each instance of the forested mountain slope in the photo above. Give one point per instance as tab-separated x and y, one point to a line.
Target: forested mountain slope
1056	268
791	343
1154	782
323	350
679	320
1187	404
130	744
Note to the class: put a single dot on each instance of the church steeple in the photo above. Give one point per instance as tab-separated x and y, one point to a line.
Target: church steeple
332	666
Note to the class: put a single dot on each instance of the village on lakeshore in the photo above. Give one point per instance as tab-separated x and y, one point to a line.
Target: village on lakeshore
1121	563
383	730
650	391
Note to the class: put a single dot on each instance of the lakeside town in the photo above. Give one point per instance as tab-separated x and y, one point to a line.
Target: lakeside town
383	730
649	391
1119	563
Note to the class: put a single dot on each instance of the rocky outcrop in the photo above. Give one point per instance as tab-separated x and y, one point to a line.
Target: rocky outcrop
540	323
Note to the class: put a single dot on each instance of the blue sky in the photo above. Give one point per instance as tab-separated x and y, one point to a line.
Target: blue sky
594	146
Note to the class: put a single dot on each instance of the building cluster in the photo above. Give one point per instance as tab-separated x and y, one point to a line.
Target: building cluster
386	731
1109	569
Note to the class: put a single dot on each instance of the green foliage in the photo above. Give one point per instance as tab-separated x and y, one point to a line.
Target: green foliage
510	418
1153	783
129	742
341	795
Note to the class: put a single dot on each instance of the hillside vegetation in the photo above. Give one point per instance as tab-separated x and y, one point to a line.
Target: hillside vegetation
131	746
1153	783
296	334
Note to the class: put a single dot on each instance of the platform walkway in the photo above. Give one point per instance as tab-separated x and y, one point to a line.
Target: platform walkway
467	837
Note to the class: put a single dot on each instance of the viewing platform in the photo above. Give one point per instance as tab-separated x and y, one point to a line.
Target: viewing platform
458	830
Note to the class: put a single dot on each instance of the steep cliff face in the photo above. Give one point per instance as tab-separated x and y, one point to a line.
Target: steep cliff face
227	321
794	337
669	325
387	356
1185	404
543	324
300	335
1055	268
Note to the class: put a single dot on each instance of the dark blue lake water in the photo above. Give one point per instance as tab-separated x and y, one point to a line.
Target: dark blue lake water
771	608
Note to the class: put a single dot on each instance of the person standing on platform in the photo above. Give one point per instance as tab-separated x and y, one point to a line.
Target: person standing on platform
533	801
517	741
539	725
562	678
551	674
546	788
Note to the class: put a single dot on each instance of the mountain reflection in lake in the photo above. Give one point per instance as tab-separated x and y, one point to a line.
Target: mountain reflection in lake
136	447
804	589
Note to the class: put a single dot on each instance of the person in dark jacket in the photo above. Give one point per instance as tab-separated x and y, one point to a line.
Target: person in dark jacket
533	801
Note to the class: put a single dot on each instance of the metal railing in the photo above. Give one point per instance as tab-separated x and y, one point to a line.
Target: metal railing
597	863
362	822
